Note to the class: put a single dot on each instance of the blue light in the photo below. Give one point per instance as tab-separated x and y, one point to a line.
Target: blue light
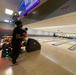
74	39
22	6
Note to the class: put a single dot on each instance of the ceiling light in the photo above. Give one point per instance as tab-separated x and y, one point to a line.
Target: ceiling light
6	20
8	11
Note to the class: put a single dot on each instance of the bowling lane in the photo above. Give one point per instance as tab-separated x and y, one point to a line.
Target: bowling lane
52	40
61	55
35	63
49	39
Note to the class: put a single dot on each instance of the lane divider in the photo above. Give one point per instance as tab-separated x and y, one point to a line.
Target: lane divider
60	43
72	48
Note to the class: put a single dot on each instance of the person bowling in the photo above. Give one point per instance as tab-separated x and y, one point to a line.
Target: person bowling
16	40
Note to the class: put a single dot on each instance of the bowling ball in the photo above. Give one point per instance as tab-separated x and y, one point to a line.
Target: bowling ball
4	36
4	46
9	51
24	43
10	36
10	45
3	40
3	54
25	35
9	40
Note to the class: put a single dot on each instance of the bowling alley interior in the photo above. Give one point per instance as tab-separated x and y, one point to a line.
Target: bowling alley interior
50	45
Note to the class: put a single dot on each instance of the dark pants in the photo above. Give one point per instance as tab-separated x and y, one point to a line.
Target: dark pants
15	53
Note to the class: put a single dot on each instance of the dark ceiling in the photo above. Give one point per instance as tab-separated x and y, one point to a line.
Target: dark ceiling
44	10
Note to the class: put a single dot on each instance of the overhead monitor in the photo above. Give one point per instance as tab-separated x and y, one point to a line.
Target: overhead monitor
26	5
